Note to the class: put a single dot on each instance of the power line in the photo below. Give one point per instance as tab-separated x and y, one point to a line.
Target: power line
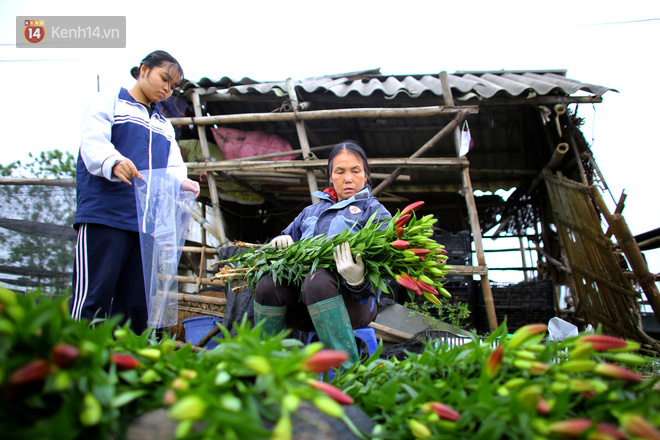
615	22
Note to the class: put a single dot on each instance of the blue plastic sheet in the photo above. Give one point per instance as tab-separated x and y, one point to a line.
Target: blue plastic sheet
164	214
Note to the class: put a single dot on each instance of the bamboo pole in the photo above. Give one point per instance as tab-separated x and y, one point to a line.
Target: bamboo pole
448	163
557	155
630	248
44	181
617	210
479	248
638	264
302	137
406	112
215	201
199	218
199	249
192	280
468	270
203	299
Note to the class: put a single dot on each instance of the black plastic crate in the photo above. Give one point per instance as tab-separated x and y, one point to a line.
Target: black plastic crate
521	304
459	250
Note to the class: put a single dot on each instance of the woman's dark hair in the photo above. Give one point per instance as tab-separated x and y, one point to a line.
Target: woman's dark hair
158	58
350	147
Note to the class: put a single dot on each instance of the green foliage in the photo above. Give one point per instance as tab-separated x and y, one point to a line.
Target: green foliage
454	315
238	389
496	400
37	247
52	164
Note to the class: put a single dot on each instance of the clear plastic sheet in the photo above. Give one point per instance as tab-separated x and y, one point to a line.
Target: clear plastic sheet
558	329
164	214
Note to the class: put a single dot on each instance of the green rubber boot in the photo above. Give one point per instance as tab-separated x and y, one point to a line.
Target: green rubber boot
275	318
333	327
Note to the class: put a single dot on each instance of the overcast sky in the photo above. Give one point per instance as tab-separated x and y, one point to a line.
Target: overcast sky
607	43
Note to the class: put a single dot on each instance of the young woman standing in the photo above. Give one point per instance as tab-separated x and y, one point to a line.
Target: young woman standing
122	133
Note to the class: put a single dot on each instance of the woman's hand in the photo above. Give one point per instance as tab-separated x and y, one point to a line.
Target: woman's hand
282	241
125	171
351	271
190	185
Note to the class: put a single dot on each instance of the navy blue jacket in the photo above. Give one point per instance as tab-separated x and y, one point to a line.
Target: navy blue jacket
331	218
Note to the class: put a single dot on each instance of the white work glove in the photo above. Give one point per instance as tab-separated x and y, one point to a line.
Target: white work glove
352	271
282	241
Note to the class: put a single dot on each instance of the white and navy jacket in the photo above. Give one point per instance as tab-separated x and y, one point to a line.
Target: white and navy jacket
117	127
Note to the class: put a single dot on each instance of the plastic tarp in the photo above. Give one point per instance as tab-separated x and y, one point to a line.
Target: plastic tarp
236	144
164	214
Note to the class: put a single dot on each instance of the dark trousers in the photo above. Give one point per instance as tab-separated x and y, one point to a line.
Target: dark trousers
107	276
318	286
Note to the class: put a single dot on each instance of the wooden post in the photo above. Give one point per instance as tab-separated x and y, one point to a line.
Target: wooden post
215	200
302	136
479	248
473	217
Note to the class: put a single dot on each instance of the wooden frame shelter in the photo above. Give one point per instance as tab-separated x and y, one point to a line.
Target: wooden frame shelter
525	131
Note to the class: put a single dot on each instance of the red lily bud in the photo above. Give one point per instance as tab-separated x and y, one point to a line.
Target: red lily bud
420	252
538	367
400	244
425	287
335	393
169	397
617	372
402	220
604	342
64	354
412	208
543	408
399	233
324	360
443	411
610	431
494	361
408	282
124	361
524	333
570	428
637	425
35	371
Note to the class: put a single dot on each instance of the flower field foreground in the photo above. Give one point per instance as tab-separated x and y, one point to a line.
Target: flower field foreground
63	379
516	388
399	249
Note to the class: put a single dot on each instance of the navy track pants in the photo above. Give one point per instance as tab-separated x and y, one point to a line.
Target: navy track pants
107	276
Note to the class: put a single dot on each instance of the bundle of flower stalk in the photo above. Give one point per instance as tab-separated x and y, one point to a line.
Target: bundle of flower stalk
400	249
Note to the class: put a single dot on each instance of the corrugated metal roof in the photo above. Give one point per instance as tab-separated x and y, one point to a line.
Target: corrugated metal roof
464	85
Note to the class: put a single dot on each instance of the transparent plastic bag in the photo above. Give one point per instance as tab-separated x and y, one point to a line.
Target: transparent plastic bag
559	329
164	214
